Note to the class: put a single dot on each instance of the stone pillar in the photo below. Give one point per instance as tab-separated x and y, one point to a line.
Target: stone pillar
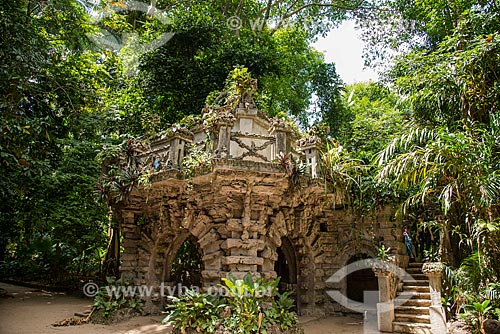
178	142
385	306
281	132
311	147
131	239
436	311
225	124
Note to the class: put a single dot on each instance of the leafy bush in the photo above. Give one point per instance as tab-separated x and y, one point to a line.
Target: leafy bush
245	298
108	307
196	311
475	314
247	307
281	314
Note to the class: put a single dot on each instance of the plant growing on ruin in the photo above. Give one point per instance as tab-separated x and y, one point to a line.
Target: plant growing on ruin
384	253
124	168
340	170
112	302
197	159
247	306
292	167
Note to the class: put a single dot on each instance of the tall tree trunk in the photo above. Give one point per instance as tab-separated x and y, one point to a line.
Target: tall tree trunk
112	259
111	265
446	251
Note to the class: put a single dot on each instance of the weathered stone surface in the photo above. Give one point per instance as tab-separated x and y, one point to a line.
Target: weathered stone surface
246	215
243	260
247	244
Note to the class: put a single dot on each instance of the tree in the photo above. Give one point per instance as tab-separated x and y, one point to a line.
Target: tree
451	154
174	80
375	117
48	100
265	15
396	26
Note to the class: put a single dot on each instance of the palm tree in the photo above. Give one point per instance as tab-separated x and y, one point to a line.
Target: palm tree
340	170
459	170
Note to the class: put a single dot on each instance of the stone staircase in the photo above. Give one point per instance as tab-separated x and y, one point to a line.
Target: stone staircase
413	317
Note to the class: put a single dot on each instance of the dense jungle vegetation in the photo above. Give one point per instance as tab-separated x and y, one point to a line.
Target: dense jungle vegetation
81	77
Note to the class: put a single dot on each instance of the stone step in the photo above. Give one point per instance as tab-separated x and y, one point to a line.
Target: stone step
424	310
403	327
412	318
419	282
419	276
417	288
418	303
415	265
414	271
415	295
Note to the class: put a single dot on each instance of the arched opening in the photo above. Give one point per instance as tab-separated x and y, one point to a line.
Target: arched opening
360	281
187	265
286	268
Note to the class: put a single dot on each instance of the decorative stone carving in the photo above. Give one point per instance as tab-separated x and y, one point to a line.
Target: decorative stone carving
311	147
242	211
430	268
434	271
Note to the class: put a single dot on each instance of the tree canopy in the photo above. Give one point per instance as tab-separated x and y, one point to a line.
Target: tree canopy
82	75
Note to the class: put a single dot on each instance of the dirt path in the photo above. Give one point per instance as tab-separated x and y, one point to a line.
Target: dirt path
31	311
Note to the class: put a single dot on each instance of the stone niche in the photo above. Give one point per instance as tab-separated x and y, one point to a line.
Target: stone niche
245	214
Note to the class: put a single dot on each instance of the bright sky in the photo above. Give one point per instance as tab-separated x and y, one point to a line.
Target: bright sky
343	47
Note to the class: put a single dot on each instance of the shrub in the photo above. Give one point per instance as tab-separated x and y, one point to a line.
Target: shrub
109	307
192	310
246	307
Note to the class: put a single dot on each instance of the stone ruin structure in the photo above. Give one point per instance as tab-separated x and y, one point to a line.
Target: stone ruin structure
247	215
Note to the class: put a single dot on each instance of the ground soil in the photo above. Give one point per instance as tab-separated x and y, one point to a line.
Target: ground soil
33	311
29	311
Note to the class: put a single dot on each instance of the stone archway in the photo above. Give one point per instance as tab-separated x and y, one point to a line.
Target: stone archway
361	280
286	267
184	261
187	264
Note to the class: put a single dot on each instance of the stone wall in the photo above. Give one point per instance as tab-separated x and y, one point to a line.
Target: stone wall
243	211
240	219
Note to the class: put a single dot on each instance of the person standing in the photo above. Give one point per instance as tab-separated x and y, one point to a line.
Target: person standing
410	250
424	236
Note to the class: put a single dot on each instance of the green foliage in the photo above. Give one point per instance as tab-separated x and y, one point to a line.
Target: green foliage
50	217
376	116
199	312
187	265
452	167
245	297
475	314
108	306
449	154
178	76
340	170
398	26
384	253
248	306
281	313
